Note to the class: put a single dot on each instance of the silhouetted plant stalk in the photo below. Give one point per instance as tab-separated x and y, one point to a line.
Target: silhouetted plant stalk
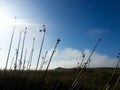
43	60
31	55
83	55
17	52
30	59
20	62
24	60
114	88
77	72
117	82
75	82
10	44
44	30
11	63
21	73
44	76
107	85
89	58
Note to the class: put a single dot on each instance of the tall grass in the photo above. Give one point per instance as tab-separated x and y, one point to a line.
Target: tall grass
92	79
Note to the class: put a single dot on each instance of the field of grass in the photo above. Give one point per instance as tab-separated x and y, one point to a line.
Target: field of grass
58	79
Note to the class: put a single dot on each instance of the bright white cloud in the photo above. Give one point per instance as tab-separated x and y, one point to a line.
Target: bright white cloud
69	58
99	60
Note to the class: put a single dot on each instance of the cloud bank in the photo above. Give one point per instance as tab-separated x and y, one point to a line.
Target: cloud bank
69	58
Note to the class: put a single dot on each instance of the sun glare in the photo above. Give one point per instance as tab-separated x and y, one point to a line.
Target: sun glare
5	20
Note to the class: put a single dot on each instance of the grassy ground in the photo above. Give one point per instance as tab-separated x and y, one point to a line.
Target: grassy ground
58	79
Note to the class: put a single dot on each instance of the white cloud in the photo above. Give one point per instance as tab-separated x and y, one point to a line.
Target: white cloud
99	60
69	58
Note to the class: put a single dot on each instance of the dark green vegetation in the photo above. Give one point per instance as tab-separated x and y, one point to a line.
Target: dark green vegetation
58	79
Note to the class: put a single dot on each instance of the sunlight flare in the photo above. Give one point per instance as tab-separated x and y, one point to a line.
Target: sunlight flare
5	20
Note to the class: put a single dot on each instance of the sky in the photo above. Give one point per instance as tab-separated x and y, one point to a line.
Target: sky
78	23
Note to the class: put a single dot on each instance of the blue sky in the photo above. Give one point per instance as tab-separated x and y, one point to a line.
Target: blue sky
78	23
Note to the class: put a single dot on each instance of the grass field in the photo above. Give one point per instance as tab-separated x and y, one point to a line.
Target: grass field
58	79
